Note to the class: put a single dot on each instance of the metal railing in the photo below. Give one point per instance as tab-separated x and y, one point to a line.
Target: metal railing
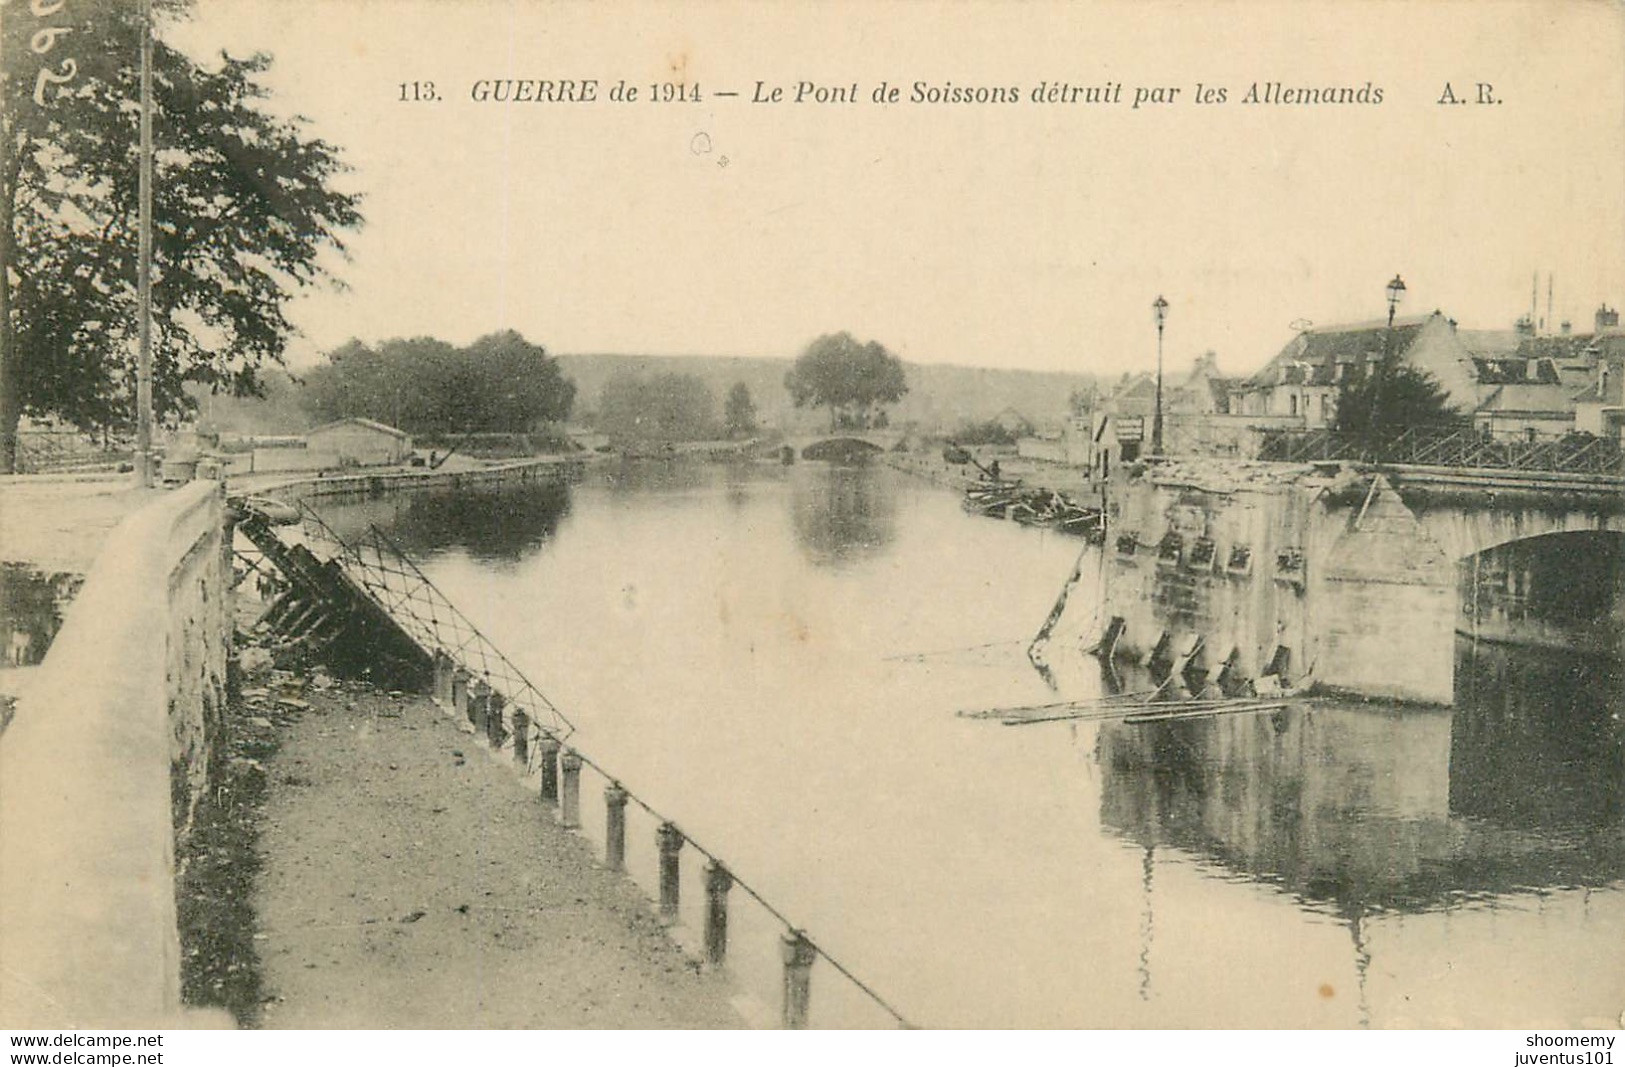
64	451
1421	446
473	679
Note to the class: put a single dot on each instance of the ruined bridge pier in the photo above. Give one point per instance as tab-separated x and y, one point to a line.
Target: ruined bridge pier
1344	578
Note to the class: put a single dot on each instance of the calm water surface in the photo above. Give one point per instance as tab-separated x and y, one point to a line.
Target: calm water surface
773	657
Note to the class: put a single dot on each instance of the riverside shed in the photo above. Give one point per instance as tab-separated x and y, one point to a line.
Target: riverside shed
359	442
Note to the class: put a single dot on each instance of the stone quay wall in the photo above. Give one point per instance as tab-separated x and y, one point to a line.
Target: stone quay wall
102	770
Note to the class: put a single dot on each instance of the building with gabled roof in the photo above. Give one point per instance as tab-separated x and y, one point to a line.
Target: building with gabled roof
359	442
1511	382
1599	408
1303	378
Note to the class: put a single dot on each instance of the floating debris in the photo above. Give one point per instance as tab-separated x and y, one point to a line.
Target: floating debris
1048	508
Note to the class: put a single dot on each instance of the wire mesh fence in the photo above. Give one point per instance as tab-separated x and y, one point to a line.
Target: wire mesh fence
386	572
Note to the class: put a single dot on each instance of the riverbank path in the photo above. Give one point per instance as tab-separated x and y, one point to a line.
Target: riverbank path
409	881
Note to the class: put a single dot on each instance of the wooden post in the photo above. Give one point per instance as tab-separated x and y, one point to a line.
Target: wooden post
717	883
799	955
521	737
549	748
615	827
671	843
479	704
459	691
570	790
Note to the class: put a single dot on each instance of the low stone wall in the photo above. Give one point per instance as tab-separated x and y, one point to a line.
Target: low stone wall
542	469
102	769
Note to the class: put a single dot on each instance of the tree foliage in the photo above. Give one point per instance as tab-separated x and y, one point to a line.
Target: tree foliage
660	407
991	432
739	411
1392	400
244	208
847	376
501	383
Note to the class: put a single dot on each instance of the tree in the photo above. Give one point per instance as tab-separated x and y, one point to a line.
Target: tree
242	201
1083	400
1390	401
501	383
739	411
847	376
664	407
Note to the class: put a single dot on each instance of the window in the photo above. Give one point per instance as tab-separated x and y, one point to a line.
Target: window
1292	404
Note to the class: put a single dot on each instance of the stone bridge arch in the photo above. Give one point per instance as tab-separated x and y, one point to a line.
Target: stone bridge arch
1464	531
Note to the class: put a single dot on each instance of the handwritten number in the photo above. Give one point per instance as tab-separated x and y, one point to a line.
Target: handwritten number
46	76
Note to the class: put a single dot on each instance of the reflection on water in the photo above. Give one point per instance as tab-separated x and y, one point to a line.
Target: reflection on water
1536	741
1363	809
843	514
499	525
769	654
31	607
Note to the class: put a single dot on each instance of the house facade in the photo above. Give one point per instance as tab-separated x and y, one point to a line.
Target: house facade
1303	379
1510	383
1600	407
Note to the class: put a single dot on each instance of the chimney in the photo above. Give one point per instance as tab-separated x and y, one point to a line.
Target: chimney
1606	318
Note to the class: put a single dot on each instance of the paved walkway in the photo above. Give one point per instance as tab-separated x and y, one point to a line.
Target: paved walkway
410	882
59	523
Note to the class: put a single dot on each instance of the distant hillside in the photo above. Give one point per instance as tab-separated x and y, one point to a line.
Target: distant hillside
939	397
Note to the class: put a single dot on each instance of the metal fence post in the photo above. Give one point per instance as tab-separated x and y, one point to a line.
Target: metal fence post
717	883
615	826
521	737
479	704
549	747
442	677
494	733
670	840
459	691
570	789
799	955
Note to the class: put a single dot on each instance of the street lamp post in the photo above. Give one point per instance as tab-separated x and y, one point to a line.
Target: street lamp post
1396	293
1160	308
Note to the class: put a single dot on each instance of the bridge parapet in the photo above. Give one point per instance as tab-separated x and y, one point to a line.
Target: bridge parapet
1455	448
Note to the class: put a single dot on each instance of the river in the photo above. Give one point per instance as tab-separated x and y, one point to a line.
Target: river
774	657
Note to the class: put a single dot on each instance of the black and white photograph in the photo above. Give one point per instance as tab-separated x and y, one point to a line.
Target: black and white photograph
563	516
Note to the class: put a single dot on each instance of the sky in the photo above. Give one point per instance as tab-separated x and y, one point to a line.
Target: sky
1027	235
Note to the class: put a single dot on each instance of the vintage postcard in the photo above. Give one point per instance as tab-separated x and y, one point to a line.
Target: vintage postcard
529	515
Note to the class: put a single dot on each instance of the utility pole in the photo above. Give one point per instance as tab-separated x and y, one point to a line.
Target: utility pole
143	367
